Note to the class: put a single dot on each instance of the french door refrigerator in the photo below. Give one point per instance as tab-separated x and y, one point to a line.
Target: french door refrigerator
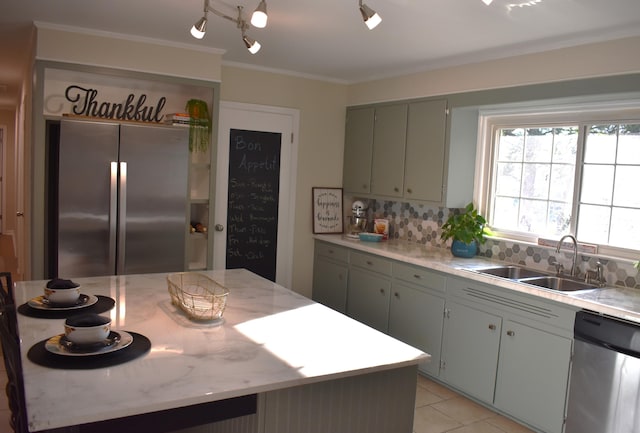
121	199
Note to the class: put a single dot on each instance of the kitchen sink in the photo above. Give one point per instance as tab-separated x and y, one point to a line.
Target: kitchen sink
536	278
510	272
558	283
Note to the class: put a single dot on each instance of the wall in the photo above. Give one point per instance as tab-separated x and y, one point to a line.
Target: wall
7	119
320	145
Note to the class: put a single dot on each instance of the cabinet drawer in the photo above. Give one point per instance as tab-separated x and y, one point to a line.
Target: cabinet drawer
373	263
332	251
419	276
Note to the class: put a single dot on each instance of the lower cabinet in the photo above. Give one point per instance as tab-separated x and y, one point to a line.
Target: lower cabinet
470	344
330	276
368	298
533	374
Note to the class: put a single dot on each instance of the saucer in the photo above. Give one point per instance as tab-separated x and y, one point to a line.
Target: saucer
60	345
42	303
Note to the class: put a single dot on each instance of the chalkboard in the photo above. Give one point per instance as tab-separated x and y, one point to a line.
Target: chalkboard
252	214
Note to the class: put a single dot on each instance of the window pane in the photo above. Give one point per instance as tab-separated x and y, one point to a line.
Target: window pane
593	225
533	216
535	182
625	228
629	144
597	184
508	179
506	213
626	186
559	218
561	185
565	144
538	145
601	144
511	145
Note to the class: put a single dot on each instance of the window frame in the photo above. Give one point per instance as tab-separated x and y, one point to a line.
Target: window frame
490	121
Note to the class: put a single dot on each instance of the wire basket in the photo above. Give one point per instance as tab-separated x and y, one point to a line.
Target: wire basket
200	297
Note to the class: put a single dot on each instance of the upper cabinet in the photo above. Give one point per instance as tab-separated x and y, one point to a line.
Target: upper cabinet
396	150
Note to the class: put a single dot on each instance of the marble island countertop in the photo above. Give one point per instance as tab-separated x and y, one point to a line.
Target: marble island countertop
271	338
618	302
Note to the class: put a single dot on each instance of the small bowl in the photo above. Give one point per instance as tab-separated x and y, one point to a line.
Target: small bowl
371	237
87	328
62	296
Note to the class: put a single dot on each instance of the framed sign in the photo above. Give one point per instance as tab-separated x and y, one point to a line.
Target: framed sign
327	210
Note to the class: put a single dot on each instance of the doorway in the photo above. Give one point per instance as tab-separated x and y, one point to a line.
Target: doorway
260	142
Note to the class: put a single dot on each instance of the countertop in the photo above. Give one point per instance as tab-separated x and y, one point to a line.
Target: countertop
270	338
618	302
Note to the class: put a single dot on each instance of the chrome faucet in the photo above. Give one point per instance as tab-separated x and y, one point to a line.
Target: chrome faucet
574	267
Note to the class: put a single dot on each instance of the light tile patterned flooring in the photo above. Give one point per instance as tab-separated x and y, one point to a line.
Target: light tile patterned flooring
438	410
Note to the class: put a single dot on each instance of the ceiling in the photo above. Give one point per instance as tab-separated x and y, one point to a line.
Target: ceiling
327	39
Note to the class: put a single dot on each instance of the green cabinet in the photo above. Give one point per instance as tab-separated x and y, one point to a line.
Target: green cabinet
471	340
330	276
389	140
533	374
396	150
369	290
358	149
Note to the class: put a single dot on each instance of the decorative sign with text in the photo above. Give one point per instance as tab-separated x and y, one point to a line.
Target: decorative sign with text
252	206
327	210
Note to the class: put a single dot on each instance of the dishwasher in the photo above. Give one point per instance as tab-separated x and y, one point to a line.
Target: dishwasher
604	393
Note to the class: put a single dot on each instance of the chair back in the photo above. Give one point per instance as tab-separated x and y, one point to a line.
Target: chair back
11	354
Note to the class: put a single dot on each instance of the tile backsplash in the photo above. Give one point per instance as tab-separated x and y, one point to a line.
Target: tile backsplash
423	224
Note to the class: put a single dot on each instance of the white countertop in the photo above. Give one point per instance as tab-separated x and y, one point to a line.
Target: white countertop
614	301
271	338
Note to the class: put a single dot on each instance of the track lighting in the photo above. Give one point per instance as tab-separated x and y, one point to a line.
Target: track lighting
259	19
370	17
487	2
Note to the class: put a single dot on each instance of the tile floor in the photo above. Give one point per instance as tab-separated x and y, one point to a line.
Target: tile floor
438	410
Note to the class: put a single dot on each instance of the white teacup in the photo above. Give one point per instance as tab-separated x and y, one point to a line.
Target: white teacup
62	296
87	328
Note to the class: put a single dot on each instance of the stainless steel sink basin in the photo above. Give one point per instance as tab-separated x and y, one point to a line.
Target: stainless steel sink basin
558	283
510	272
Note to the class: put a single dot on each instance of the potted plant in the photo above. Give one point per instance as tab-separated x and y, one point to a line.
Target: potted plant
466	230
199	125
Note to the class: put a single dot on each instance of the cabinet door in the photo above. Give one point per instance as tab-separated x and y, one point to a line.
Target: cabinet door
425	150
358	147
368	298
389	139
470	345
330	284
533	375
415	317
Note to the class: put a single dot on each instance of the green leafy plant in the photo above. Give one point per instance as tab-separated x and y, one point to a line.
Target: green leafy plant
466	226
637	265
199	125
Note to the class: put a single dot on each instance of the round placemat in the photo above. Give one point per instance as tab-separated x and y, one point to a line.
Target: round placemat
41	356
104	303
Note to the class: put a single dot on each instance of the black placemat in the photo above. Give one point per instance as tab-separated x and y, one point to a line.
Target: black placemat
104	303
41	356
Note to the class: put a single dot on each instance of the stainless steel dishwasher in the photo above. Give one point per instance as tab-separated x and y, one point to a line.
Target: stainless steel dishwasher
604	394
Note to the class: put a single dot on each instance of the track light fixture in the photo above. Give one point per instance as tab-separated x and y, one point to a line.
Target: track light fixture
487	2
370	17
259	19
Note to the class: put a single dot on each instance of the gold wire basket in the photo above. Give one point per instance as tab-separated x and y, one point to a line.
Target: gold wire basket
200	297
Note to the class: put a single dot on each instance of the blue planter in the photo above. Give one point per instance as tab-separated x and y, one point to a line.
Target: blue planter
460	249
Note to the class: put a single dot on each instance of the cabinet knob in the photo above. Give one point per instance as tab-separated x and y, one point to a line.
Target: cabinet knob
397	295
409	190
382	291
218	227
511	333
492	327
396	189
369	262
364	186
416	276
20	214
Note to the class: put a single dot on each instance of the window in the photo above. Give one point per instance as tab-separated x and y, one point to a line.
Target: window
548	174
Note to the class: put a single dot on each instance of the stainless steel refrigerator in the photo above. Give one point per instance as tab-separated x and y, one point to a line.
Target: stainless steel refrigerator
121	199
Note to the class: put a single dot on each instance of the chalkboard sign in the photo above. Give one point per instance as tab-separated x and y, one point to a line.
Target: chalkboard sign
252	214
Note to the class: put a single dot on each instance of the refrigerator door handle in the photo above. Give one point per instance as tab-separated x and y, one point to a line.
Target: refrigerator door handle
113	209
122	221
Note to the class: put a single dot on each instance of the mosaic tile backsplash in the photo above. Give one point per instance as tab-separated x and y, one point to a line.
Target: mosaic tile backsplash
422	224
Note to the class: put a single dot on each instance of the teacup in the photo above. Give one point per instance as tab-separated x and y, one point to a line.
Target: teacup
87	328
62	296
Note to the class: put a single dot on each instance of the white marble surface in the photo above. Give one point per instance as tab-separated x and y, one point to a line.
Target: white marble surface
615	301
271	338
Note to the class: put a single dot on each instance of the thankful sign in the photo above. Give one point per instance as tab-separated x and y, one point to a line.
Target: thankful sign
87	103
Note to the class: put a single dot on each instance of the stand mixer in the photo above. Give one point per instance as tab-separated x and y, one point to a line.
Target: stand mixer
357	222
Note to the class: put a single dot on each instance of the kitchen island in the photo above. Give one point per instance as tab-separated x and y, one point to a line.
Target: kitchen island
307	367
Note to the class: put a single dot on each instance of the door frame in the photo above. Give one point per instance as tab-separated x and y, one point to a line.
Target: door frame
288	175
